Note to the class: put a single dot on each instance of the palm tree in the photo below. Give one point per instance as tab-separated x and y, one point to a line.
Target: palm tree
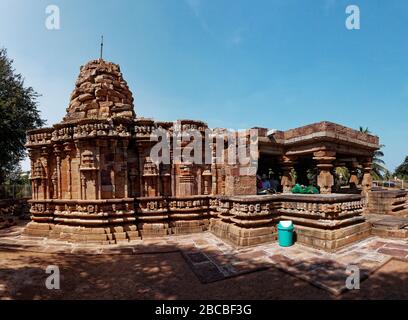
342	174
378	168
402	170
388	175
364	130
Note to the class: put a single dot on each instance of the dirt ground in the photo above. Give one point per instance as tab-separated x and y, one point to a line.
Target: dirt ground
167	276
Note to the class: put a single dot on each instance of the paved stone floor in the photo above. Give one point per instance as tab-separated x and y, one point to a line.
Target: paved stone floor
213	260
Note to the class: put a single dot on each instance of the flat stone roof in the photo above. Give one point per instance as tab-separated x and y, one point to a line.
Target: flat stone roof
322	131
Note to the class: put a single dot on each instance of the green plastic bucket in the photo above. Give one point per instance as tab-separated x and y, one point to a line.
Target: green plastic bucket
285	233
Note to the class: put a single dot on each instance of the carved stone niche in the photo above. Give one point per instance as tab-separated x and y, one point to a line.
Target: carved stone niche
150	178
39	171
54	182
185	186
207	180
149	167
88	176
88	162
39	179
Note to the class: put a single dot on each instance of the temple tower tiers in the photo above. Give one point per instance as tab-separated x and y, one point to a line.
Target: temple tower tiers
81	185
100	93
93	176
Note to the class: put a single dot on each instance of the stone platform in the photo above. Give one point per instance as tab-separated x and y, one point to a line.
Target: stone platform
327	222
94	221
390	227
246	220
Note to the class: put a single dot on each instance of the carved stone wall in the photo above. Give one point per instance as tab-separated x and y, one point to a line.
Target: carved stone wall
247	220
326	222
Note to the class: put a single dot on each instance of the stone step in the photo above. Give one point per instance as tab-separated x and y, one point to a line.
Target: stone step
394	223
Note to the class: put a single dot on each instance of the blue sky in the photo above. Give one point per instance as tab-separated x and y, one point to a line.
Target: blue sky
232	63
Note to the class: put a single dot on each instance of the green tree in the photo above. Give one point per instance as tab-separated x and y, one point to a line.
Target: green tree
378	169
18	177
342	175
402	170
388	175
18	113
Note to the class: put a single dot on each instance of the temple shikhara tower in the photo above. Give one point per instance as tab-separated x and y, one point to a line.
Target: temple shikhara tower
94	179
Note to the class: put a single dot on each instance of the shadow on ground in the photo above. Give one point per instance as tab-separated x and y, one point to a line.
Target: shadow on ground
126	274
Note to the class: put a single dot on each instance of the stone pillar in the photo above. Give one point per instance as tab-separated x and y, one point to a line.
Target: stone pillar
67	150
199	182
353	180
113	144
325	179
54	184
125	144
32	158
46	188
367	179
159	189
133	173
141	154
83	186
214	173
57	152
78	158
99	172
287	182
172	172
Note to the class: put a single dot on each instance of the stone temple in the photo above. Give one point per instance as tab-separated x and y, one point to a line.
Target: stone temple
94	180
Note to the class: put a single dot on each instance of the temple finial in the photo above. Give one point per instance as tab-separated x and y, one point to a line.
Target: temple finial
101	48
